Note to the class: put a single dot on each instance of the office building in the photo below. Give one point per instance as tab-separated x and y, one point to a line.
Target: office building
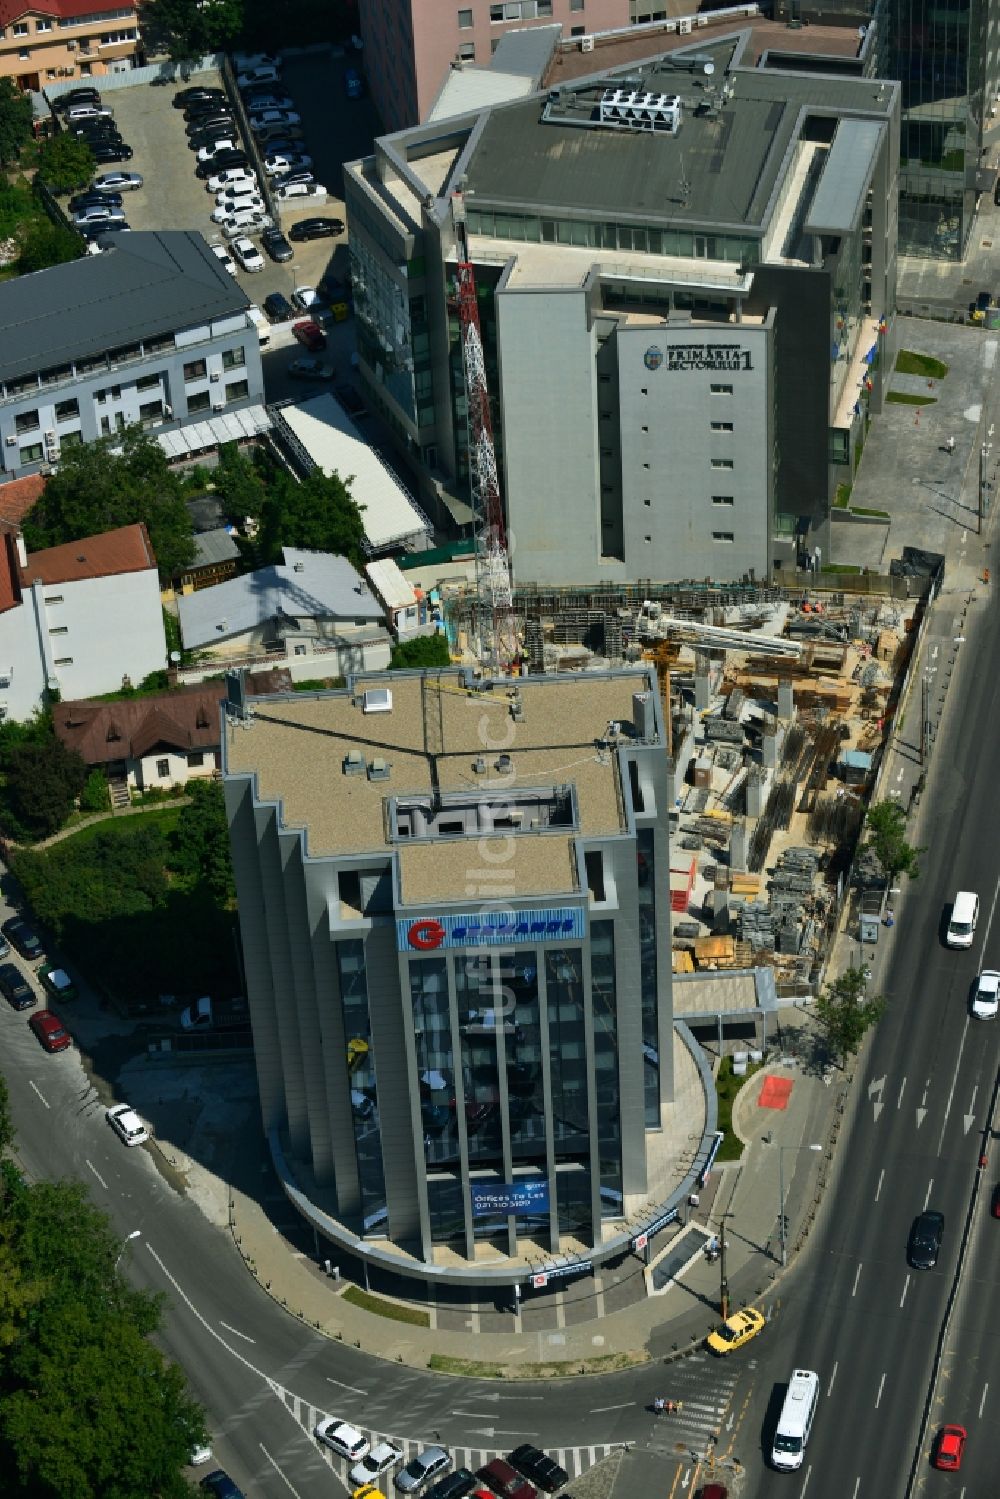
153	330
686	280
455	913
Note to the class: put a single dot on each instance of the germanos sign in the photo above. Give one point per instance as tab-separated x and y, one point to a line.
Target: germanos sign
490	929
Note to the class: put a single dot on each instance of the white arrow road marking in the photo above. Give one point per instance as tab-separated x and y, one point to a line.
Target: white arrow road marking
875	1090
274	1465
934	654
39	1092
921	1116
94	1169
729	1423
921	1111
969	1119
480	1431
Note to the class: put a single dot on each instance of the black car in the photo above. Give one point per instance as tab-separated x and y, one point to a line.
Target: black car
287	178
222	163
24	937
537	1467
278	308
221	1485
15	987
95	134
276	245
924	1243
216	135
187	96
111	151
95	200
316	228
210	122
77	96
453	1486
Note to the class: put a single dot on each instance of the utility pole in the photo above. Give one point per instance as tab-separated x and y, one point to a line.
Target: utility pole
925	718
723	1282
982	487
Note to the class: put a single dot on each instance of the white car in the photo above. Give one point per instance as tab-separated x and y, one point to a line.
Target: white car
244	61
380	1459
126	1124
306	298
221	253
233	177
301	190
247	254
341	1438
264	117
986	995
232	190
229	207
209	153
264	73
246	222
286	162
199	1454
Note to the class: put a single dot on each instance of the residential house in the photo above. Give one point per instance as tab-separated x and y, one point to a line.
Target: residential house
313	612
408	611
77	619
45	41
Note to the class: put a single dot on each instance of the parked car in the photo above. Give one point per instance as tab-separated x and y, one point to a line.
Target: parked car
117	182
316	228
247	254
505	1481
187	96
15	988
986	995
278	308
310	334
23	937
306	298
276	162
221	253
284	179
217	148
88	110
428	1464
50	1030
94	232
341	1438
282	137
126	1124
224	162
199	108
95	214
307	368
111	152
57	982
222	123
276	245
537	1466
83	95
382	1457
246	221
216	140
94	200
260	119
293	190
453	1485
221	1485
243	62
264	73
231	179
229	207
268	98
949	1448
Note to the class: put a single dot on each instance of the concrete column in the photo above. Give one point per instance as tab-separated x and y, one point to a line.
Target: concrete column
738	846
702	667
755	793
769	751
786	700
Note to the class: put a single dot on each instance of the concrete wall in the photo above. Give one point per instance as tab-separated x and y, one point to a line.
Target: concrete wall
22	662
144	773
95	631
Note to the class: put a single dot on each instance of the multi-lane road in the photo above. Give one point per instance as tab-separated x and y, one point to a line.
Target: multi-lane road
851	1308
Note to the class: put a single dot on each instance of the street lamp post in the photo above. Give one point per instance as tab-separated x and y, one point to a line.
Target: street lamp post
782	1230
135	1234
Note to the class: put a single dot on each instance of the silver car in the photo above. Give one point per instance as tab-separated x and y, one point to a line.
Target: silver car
430	1463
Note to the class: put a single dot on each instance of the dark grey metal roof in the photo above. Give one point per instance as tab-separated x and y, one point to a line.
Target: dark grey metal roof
526	52
143	287
840	196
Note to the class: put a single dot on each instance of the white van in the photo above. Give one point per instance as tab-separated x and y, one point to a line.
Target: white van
795	1421
964	915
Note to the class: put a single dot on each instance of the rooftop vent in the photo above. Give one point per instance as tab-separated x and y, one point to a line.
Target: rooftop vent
377	700
637	109
354	763
378	770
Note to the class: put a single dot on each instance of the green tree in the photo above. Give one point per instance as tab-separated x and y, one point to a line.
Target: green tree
317	514
6	1123
192	28
887	824
48	244
94	797
97	489
15	121
425	650
65	163
43	782
200	851
845	1012
241	482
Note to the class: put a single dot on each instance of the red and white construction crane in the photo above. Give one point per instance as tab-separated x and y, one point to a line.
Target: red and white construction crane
497	625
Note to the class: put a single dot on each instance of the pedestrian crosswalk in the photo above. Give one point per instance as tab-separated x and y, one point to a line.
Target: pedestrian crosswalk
704	1386
576	1460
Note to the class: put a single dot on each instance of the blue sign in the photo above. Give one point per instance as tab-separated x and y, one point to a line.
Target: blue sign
498	1199
490	929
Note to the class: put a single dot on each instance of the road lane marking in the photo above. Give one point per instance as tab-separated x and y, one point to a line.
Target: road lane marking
39	1092
875	1090
353	1388
857	1277
476	1415
983	1401
986	934
829	1388
899	1100
878	1402
857	1485
930	1188
281	1475
94	1169
236	1332
906	1287
600	1409
954	1082
878	1189
805	1482
921	1111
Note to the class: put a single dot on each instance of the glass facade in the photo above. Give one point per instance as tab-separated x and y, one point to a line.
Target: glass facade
646	863
361	1070
648	239
602	995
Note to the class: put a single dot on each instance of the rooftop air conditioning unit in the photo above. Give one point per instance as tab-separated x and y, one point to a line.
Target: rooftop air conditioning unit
586	44
218	405
71	46
214	376
12	441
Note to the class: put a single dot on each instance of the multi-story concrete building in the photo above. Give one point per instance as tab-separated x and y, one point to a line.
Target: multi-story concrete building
411	44
686	279
153	330
44	41
455	911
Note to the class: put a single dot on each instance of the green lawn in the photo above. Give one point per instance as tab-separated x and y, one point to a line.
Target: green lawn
910	363
904	398
843	496
391	1309
727	1085
165	818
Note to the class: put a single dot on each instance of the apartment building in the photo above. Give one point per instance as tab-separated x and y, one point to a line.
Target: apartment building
49	41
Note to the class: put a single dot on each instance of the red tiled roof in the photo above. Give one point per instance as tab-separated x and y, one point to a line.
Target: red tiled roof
126	550
13	10
10	580
20	495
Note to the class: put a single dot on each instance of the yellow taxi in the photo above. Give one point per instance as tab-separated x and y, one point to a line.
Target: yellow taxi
367	1491
739	1329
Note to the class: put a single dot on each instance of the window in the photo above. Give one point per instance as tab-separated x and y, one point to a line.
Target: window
66	410
105	426
63	661
721	390
464	19
722	499
148	382
200	401
21	28
234	359
54	598
722	426
163	769
196	370
467	51
32	454
724	536
110	392
72	439
26	421
722	463
24	54
195	759
576	4
43	25
150	411
59	630
238	390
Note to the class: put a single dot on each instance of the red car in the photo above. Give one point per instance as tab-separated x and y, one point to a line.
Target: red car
310	334
949	1448
50	1031
714	1491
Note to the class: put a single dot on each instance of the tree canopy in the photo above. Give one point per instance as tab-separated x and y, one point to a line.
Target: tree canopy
201	842
65	163
191	28
887	827
846	1012
113	482
48	244
15	121
425	650
319	514
42	781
